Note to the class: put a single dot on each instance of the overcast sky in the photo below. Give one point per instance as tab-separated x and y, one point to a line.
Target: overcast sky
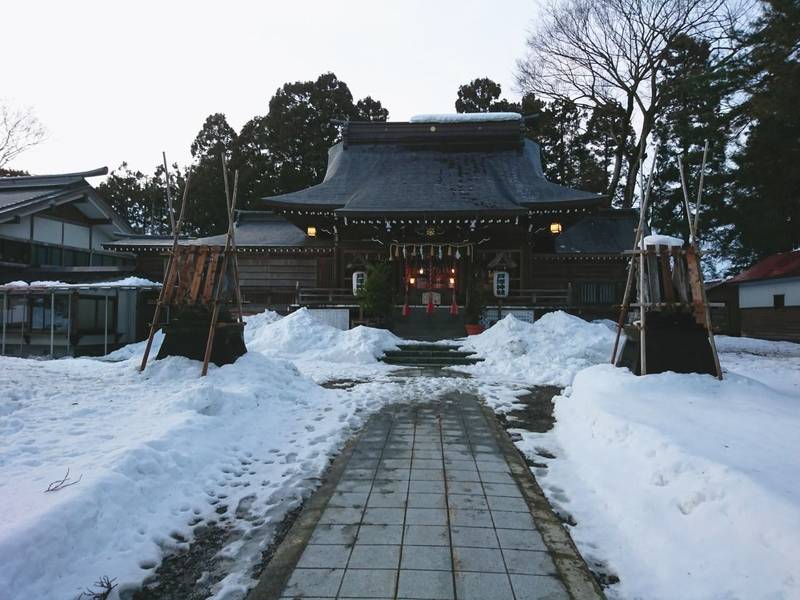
115	81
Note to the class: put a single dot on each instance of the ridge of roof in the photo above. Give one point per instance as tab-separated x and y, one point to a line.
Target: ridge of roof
54	180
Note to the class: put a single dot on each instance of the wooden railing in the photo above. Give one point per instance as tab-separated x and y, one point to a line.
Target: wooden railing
325	297
540	297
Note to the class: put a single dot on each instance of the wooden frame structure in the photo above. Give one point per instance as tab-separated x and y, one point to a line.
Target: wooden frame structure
670	278
196	274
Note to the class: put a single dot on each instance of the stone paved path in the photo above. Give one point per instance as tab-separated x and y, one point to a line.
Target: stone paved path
426	508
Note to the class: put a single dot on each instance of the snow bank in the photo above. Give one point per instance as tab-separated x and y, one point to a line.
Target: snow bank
688	486
755	346
547	352
126	282
301	336
465	117
254	323
157	453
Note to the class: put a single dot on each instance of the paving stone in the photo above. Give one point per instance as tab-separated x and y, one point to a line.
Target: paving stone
387	500
512	520
349	499
313	582
427	475
358	474
463	501
502	489
529	562
388	485
416	486
384	516
426	500
481	586
428	446
460	464
324	556
477	537
468	517
334	534
520	539
473	488
427	455
432	558
537	587
483	560
461	475
492	466
393	474
427	535
340	516
395	463
397	454
496	477
353	485
372	556
380	534
430	585
369	583
506	503
426	516
422	463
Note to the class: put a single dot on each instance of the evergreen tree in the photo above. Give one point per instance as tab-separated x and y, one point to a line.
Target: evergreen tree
765	191
207	212
140	199
483	95
693	93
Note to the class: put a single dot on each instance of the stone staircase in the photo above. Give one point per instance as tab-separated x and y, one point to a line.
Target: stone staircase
429	355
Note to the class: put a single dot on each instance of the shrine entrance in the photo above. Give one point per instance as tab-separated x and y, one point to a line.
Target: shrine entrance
432	276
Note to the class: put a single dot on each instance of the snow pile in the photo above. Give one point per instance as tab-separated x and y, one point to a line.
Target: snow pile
254	323
547	352
679	482
776	364
118	283
300	336
662	240
755	346
465	117
156	453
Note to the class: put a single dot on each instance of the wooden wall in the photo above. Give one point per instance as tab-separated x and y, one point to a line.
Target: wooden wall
772	323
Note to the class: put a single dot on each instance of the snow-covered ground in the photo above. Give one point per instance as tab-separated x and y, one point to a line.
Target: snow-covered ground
686	487
154	454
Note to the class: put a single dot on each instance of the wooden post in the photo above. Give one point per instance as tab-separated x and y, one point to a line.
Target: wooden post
169	277
52	320
232	229
225	257
169	195
700	189
5	314
686	201
105	325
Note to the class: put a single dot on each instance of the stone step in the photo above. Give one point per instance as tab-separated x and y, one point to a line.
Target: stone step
427	353
428	347
430	361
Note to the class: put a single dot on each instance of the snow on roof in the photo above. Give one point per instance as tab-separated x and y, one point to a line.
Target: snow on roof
777	266
465	117
127	282
662	240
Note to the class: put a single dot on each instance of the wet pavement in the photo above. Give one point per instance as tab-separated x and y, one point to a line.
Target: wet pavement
429	504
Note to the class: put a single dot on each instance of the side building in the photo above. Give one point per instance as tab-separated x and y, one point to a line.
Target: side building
55	272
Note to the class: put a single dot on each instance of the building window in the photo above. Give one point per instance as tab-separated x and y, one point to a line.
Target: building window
92	315
42	316
15	252
778	300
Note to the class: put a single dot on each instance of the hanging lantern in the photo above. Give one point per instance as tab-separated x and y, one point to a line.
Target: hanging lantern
555	227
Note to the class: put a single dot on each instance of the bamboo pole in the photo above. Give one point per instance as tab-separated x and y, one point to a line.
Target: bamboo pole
226	255
700	189
685	191
171	263
169	195
631	266
232	229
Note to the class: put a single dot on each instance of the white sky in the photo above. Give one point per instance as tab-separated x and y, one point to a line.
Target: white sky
116	81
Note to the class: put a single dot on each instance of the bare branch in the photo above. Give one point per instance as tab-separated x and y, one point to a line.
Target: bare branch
62	483
20	130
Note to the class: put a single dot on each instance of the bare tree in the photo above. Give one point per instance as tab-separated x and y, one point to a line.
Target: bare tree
606	52
19	131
